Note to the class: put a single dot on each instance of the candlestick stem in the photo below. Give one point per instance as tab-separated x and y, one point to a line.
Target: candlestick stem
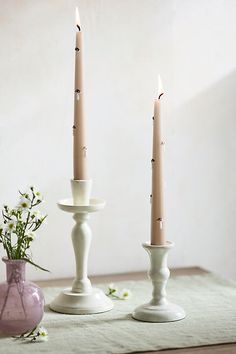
81	239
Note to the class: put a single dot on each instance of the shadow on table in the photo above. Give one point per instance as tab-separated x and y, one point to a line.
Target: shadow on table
17	340
91	319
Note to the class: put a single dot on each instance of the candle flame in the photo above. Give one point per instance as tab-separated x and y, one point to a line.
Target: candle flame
77	17
160	90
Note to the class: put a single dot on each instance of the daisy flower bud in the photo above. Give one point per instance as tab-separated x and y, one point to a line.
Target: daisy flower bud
112	289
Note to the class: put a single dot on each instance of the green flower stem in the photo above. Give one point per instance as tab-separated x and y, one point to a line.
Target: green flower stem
110	294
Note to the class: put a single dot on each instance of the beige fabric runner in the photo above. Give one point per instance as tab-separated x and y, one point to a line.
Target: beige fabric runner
209	301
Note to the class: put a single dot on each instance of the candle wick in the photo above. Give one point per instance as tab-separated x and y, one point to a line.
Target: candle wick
78	27
160	95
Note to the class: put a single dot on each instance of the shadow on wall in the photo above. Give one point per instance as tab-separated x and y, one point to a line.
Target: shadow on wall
205	170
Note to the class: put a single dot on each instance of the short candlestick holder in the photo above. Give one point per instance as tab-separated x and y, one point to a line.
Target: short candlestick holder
159	309
82	298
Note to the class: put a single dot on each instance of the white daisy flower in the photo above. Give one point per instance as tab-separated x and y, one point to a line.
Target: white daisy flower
11	225
42	334
31	236
38	196
24	204
125	294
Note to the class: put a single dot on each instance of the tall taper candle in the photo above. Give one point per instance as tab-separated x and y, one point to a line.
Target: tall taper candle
80	148
157	202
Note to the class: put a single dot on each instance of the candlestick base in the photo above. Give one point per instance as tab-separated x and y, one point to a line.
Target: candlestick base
73	303
82	298
159	309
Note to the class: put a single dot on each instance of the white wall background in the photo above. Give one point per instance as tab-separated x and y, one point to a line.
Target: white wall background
127	43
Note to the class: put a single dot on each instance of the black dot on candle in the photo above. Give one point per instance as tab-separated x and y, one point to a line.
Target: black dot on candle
77	49
77	91
153	118
152	160
74	127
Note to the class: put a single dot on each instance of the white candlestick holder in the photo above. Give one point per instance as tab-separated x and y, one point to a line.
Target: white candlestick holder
81	298
159	309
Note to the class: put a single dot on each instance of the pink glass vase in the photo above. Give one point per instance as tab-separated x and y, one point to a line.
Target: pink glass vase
21	302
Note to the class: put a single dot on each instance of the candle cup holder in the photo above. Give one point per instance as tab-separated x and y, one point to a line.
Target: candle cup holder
159	309
82	298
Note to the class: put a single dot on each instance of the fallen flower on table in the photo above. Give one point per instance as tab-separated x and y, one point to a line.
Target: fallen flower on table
118	295
38	334
125	294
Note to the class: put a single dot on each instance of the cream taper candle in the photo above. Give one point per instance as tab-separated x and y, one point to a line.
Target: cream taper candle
80	148
157	202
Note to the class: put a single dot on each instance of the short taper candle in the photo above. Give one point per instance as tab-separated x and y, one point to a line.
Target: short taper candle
80	148
157	200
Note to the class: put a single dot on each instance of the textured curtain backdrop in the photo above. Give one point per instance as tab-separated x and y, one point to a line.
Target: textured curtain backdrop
127	43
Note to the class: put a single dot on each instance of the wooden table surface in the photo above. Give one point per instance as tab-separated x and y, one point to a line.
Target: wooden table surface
210	349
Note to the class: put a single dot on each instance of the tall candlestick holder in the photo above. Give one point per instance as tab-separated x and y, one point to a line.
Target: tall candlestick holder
81	298
159	309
